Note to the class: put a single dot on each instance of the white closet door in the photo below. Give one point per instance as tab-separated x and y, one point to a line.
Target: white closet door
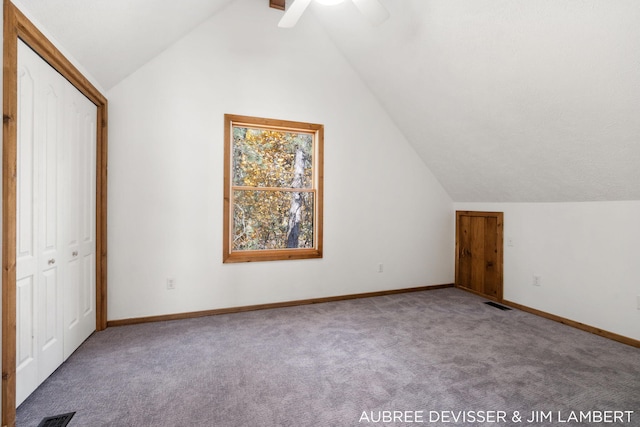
49	139
39	333
55	221
80	298
27	230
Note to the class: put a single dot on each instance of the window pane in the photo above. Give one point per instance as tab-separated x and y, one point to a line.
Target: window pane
270	158
272	220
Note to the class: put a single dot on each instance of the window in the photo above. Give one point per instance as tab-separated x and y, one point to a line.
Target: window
272	189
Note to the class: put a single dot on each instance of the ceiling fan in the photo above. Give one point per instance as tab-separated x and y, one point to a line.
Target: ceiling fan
371	9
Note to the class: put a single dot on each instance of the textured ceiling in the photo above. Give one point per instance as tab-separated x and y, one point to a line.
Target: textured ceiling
504	100
509	100
113	38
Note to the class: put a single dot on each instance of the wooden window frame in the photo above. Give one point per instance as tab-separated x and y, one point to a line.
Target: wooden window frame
231	256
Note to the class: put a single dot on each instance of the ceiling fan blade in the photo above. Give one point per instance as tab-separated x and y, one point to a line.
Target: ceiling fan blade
294	13
373	10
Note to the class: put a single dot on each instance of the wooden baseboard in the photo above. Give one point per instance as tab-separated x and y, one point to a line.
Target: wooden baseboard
597	331
489	297
194	314
592	329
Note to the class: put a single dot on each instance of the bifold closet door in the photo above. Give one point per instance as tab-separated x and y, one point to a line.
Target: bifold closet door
55	270
80	208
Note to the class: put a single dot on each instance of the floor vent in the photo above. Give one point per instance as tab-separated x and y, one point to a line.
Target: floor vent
496	305
57	420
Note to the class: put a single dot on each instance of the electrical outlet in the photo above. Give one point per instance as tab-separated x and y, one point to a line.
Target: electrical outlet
171	284
380	268
537	280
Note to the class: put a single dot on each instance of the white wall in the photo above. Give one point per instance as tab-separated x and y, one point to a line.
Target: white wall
382	205
587	255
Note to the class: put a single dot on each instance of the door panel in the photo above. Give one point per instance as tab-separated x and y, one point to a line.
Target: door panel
476	245
463	273
47	128
49	335
49	309
479	252
26	359
25	325
80	320
25	202
72	243
491	285
27	230
88	214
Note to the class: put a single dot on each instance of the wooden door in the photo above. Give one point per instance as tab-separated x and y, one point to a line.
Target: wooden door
479	253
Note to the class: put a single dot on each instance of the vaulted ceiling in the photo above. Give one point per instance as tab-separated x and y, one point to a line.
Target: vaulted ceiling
504	100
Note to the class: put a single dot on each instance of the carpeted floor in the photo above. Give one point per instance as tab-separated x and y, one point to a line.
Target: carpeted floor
344	364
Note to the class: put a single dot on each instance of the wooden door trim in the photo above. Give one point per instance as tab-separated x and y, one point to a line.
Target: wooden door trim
500	234
17	26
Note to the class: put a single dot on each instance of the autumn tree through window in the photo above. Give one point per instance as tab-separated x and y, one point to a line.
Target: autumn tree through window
272	189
